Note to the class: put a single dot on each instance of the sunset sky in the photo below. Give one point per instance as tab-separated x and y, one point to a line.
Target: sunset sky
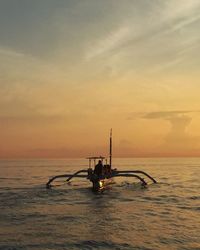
72	69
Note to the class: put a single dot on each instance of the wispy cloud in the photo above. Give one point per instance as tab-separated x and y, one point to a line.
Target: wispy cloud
9	52
149	43
111	41
175	9
167	114
160	114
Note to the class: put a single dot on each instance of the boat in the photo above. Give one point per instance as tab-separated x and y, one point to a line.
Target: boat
100	181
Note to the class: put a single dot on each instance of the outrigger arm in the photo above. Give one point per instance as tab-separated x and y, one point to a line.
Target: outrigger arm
128	172
114	173
68	176
144	183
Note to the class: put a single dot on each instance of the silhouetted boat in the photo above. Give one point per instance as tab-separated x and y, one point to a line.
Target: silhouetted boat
105	178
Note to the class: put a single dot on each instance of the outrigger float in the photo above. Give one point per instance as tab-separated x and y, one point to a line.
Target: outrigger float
101	180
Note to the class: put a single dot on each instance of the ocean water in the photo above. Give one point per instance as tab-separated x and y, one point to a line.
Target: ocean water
165	215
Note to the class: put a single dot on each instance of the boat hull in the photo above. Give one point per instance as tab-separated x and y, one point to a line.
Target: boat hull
101	184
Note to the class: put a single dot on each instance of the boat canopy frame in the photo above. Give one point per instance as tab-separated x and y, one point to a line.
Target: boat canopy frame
95	158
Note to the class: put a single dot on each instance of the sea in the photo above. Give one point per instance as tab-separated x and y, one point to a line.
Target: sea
125	216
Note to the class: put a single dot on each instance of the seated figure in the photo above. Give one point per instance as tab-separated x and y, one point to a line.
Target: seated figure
98	170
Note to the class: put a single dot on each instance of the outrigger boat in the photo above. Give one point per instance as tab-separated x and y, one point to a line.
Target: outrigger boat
102	180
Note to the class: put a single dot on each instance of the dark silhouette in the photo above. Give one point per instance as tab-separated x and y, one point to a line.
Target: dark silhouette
98	170
102	173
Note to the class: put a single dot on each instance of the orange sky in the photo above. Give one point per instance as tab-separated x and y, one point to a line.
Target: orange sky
70	71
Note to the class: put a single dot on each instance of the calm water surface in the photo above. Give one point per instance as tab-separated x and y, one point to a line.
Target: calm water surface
163	216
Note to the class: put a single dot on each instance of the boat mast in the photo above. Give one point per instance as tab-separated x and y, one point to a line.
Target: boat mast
111	148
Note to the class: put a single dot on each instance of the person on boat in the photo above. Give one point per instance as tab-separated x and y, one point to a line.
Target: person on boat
98	170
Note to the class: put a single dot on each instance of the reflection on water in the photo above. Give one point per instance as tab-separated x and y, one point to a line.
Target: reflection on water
163	216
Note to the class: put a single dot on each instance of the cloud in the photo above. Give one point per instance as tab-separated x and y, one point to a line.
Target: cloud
72	31
108	43
148	39
178	139
10	53
167	115
175	9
